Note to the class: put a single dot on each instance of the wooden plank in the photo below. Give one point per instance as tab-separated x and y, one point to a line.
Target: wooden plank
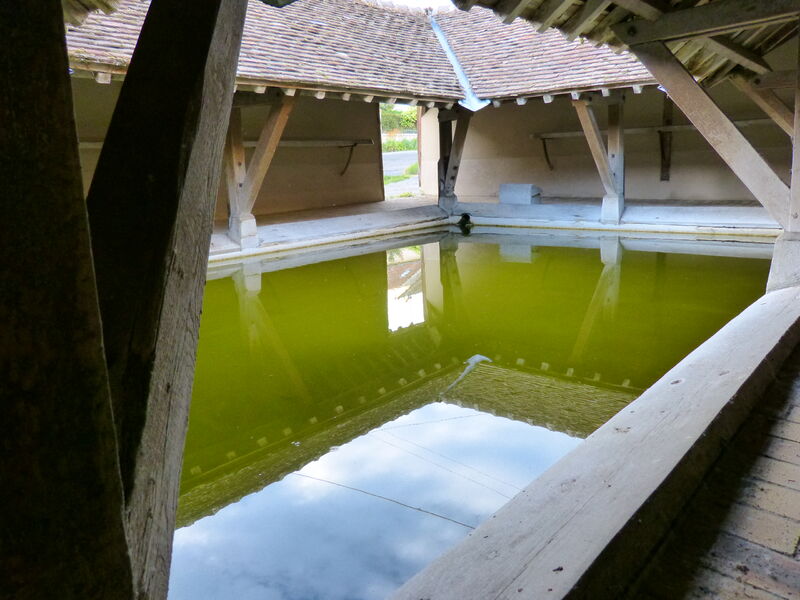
585	17
558	538
737	53
717	128
549	11
767	101
235	167
557	135
63	534
775	80
596	145
715	18
151	206
265	150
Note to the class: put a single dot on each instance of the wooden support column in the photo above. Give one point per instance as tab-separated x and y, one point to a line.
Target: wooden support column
63	534
717	129
151	205
451	146
767	101
611	211
611	171
793	224
665	137
244	182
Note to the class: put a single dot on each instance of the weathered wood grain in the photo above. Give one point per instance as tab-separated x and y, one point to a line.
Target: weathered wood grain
151	214
61	533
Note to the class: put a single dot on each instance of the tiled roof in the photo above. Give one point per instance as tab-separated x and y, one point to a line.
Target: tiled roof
358	45
342	44
507	60
348	43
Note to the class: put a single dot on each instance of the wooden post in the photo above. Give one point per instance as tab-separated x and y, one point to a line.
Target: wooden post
151	205
63	534
610	161
244	183
717	129
445	145
241	223
793	224
613	205
451	148
665	138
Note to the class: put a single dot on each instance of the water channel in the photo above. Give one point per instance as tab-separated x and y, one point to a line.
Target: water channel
354	418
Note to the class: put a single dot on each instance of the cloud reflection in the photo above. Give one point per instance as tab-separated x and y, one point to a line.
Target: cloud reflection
304	538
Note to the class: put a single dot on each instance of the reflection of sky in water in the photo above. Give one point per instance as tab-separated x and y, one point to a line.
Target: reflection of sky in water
303	538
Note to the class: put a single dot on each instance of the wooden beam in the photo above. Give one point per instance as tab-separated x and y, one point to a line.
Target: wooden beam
596	145
717	128
767	101
445	146
511	9
234	160
775	80
793	224
732	51
646	9
715	18
585	17
740	124
549	12
614	204
265	151
454	160
151	206
665	138
63	532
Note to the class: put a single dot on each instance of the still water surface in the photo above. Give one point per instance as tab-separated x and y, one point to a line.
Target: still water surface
353	419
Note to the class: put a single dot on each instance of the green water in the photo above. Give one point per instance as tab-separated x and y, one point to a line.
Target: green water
329	454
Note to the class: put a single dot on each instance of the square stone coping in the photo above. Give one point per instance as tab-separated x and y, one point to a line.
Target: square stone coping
585	527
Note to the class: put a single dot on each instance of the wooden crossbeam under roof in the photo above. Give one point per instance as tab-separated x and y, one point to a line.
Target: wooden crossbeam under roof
711	39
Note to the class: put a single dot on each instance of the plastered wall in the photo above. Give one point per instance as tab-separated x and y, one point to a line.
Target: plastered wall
299	178
499	149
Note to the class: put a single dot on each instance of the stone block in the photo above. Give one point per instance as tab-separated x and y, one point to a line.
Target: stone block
520	193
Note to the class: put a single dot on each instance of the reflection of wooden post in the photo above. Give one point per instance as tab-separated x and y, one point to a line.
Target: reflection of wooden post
260	329
452	293
605	297
151	207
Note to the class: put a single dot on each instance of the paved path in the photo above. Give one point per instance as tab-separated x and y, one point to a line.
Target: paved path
738	536
407	186
395	163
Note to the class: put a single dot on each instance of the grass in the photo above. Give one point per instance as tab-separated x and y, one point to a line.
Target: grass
387	179
398	145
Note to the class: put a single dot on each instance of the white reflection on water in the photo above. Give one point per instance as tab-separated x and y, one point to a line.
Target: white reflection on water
302	538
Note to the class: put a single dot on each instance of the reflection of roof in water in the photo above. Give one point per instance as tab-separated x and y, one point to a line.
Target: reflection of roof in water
553	402
556	403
